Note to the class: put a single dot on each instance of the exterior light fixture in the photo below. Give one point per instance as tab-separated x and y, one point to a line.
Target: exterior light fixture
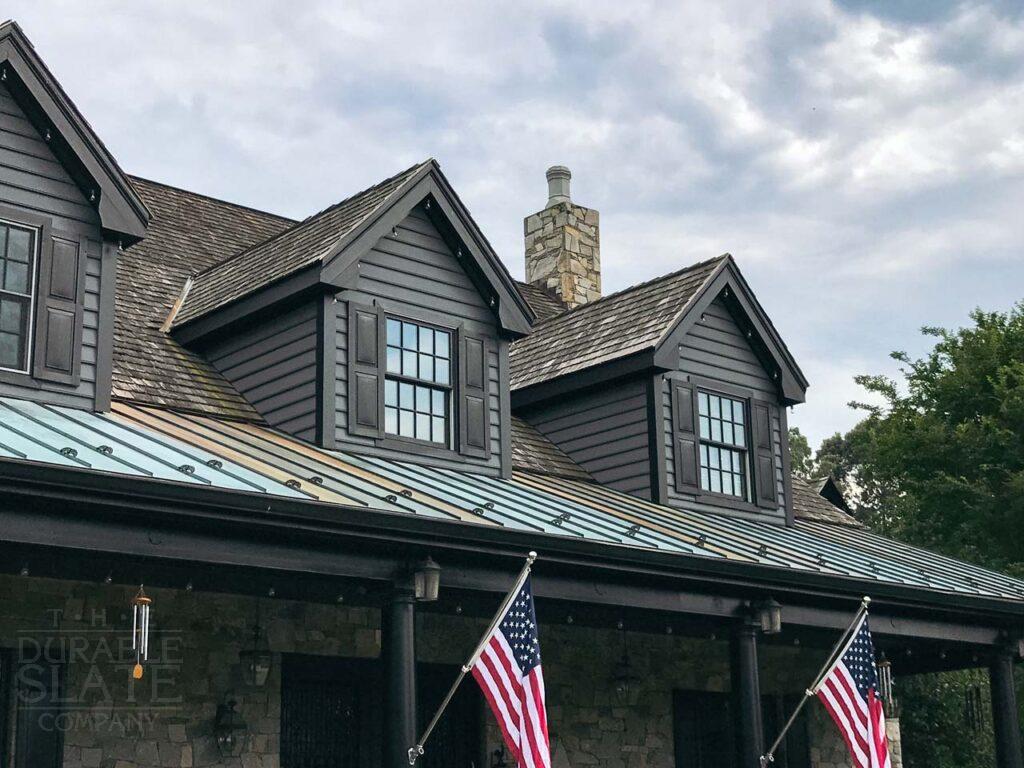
769	613
227	727
427	581
256	660
624	680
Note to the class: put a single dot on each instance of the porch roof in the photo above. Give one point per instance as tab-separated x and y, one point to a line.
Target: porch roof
164	445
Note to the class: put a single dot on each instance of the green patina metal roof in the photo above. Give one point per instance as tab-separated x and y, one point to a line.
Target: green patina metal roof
157	444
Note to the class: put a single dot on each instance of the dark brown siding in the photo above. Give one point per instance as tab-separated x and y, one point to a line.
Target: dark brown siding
715	350
32	180
416	274
273	366
605	431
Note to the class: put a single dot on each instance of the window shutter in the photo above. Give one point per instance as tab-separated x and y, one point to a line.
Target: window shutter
684	437
365	377
764	455
59	310
474	421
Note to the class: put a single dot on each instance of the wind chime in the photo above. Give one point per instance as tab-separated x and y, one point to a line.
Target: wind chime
140	630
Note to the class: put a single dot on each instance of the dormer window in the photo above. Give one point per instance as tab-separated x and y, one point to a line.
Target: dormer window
723	444
17	287
418	382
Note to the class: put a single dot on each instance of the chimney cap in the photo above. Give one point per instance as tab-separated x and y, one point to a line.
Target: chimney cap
558	185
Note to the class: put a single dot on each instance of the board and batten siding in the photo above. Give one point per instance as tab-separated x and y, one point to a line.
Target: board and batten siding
605	431
273	365
34	181
413	273
715	350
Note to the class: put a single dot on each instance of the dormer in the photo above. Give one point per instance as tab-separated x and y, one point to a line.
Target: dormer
380	325
65	209
673	390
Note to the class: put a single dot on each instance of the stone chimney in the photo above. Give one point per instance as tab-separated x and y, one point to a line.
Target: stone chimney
563	245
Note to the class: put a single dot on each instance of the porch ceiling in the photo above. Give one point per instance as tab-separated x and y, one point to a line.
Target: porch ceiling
199	451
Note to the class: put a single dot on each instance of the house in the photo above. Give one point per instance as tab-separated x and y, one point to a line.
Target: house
285	430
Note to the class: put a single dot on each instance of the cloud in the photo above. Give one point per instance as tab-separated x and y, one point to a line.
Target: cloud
862	160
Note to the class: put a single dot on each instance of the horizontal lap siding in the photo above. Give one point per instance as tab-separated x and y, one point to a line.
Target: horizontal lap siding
715	349
33	180
273	365
416	273
605	432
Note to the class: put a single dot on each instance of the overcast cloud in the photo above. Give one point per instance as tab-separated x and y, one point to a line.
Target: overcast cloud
862	161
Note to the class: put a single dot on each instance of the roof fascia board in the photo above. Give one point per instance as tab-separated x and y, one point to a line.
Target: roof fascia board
121	210
636	363
190	506
337	264
293	287
791	385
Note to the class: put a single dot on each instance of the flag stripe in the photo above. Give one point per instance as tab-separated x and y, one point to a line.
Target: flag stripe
839	716
486	684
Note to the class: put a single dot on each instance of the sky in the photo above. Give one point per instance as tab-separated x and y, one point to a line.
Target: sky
862	161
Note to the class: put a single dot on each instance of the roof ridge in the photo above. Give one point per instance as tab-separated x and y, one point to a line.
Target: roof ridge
134	177
634	287
317	215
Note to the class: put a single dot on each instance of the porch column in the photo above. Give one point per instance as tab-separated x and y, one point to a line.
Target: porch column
400	646
746	687
1004	712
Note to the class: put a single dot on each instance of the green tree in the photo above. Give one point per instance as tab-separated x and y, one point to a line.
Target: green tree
940	464
800	454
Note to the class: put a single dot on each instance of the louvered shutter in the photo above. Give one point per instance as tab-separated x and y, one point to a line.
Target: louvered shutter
365	377
474	422
60	308
684	436
764	454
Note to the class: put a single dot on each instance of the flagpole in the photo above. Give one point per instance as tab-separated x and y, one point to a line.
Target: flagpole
838	650
417	750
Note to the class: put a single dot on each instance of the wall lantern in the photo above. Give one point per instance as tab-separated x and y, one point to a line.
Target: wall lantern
227	727
256	660
769	613
427	581
624	680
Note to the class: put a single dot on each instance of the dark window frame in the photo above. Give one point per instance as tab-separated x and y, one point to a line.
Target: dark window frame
702	442
449	446
9	222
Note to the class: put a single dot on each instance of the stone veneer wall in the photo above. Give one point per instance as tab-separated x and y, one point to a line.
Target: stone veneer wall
114	723
563	252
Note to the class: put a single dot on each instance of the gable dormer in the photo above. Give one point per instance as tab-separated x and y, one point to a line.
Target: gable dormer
674	390
65	208
380	325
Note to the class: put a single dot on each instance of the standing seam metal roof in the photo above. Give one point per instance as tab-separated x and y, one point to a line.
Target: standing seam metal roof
150	443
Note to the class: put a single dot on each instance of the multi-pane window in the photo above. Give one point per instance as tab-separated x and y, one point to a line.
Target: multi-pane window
417	387
723	444
17	275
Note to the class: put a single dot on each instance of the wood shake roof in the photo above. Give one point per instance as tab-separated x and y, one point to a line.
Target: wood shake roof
544	305
610	328
287	251
187	232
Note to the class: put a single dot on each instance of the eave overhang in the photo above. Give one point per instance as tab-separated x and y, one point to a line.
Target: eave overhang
95	511
122	213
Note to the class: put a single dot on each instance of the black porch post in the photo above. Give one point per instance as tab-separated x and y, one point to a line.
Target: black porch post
1004	712
400	648
746	697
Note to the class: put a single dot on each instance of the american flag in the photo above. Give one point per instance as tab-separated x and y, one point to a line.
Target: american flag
510	675
849	691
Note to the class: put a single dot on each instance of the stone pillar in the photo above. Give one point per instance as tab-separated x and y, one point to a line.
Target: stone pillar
1004	712
892	735
400	656
563	245
746	695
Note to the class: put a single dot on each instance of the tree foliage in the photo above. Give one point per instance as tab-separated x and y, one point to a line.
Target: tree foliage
800	456
940	464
